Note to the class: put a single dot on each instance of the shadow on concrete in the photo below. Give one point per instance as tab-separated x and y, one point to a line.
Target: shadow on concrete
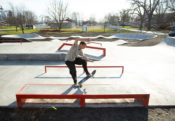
170	41
13	104
95	58
80	91
83	80
135	36
79	77
68	90
62	51
135	103
40	76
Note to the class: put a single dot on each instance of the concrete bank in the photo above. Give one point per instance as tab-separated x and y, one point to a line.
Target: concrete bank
32	57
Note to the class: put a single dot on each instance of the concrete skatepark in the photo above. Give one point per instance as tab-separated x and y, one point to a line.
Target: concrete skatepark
147	70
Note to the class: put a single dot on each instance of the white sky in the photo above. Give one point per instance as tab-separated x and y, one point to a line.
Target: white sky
86	8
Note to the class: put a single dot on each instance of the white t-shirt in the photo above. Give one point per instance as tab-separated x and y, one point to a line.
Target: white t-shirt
74	52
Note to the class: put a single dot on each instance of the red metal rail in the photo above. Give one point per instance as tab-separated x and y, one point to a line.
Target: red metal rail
21	98
98	48
11	41
87	66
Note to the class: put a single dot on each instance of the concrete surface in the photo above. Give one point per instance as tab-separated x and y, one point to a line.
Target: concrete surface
135	36
33	57
36	36
147	70
31	47
39	51
26	36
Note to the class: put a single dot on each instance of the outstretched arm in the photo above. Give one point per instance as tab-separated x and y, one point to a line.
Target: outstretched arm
76	42
85	58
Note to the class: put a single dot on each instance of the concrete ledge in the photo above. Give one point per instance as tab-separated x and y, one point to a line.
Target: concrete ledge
12	39
32	57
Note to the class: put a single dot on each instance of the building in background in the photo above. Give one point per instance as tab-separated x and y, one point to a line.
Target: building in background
1	15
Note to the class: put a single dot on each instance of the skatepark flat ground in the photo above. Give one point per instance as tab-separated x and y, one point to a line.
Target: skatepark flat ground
147	70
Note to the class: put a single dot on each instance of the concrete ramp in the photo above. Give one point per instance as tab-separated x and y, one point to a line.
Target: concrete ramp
32	57
170	41
26	36
135	36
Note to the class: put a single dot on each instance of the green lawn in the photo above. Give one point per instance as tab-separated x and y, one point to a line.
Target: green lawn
145	29
12	30
5	32
7	27
130	27
64	31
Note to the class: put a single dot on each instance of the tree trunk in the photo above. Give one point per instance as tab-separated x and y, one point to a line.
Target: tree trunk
59	27
141	23
22	28
104	27
149	22
16	28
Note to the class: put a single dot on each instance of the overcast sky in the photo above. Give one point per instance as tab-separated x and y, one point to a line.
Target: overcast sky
86	8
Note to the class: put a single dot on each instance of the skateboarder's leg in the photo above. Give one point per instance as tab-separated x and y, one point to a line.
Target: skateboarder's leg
72	70
82	62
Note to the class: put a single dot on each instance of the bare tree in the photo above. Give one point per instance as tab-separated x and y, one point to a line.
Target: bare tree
160	12
171	5
20	17
58	12
75	17
124	16
110	19
92	20
105	22
140	13
113	19
47	19
30	17
11	17
149	7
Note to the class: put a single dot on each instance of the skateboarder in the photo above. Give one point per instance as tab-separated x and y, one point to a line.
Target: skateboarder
76	56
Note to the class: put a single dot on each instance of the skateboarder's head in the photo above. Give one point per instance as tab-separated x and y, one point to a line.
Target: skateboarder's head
82	45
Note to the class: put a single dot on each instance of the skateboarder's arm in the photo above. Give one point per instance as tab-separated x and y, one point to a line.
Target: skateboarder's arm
82	40
76	42
85	58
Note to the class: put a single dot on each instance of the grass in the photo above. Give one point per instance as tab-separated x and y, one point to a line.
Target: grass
64	31
145	29
7	27
130	27
5	32
12	30
136	28
165	31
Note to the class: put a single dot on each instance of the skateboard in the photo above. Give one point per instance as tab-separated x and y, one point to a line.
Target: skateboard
86	78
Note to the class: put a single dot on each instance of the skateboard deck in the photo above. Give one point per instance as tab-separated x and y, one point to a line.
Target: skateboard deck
86	78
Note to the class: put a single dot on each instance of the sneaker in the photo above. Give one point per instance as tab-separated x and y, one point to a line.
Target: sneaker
88	75
76	85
